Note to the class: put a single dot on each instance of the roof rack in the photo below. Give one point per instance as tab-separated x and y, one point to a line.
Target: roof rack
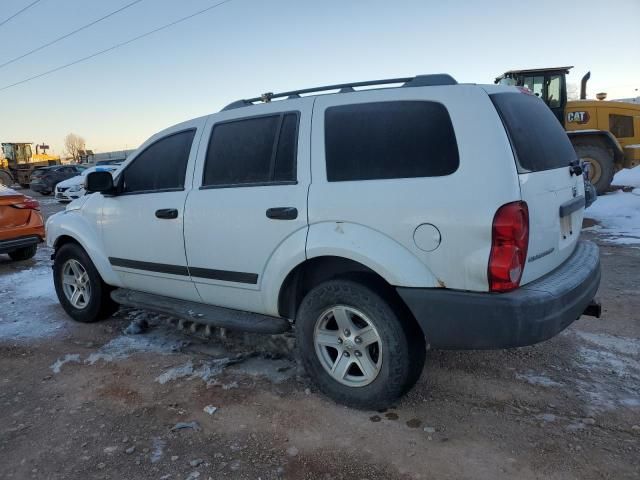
417	81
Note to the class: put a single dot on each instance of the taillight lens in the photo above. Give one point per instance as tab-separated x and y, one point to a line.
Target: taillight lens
509	243
28	203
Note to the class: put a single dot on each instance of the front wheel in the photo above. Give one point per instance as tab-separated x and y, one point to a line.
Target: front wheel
79	287
355	345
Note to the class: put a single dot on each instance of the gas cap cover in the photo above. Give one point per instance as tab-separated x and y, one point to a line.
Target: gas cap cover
427	237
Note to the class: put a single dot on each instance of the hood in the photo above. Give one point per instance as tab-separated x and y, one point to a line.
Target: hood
70	182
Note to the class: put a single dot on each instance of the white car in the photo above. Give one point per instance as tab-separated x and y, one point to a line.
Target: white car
73	187
375	222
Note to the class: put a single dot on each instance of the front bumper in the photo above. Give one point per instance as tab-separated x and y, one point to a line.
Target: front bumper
537	311
66	195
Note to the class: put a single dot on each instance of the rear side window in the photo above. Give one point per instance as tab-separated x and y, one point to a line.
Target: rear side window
161	166
539	141
621	125
252	151
382	140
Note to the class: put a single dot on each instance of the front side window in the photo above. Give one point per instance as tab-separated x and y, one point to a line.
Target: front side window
621	125
162	166
383	140
535	84
259	150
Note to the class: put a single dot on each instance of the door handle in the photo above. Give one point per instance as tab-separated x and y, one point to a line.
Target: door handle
282	213
167	213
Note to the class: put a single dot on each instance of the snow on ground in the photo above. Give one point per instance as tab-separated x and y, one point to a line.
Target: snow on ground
30	286
627	177
606	375
618	213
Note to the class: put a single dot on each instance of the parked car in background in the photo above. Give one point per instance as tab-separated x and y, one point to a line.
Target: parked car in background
44	180
73	187
21	224
109	162
359	216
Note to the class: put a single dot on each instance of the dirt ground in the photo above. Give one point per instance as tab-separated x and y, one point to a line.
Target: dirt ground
89	402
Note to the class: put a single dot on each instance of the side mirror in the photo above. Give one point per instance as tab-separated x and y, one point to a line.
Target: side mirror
98	182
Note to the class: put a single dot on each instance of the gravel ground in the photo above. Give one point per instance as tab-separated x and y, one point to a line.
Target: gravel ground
87	401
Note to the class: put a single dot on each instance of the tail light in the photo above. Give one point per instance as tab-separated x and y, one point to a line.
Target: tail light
509	243
28	203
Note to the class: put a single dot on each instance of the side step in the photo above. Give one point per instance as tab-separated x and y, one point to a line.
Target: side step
201	313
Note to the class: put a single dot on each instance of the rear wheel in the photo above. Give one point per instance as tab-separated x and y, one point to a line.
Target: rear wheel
5	179
24	253
80	289
356	346
601	166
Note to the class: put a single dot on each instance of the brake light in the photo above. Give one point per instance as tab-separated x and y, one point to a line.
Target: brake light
28	203
509	244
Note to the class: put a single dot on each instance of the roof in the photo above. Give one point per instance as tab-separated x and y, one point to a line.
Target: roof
510	73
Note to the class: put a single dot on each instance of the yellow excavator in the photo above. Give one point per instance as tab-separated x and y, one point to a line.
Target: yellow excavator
17	162
605	134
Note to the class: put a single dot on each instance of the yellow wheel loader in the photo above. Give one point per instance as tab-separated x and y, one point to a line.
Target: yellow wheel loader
605	134
17	162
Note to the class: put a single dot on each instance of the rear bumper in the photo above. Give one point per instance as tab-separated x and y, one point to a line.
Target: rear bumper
7	246
39	187
533	313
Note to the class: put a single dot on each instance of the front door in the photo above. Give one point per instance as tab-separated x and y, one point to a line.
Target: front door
142	226
249	200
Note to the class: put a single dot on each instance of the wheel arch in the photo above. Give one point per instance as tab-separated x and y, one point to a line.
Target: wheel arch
62	235
600	138
314	271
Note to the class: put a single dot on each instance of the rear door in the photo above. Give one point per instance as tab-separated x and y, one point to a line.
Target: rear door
554	196
249	199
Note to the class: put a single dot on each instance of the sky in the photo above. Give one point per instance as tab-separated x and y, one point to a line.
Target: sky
246	47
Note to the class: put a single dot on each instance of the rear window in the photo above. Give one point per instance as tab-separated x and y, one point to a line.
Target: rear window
539	141
382	140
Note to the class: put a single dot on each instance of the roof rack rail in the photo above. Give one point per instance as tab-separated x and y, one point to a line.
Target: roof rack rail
417	81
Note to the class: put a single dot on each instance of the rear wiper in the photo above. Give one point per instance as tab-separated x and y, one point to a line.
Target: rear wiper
575	168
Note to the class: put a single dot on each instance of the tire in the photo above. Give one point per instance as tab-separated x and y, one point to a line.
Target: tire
96	304
5	179
24	253
398	356
601	166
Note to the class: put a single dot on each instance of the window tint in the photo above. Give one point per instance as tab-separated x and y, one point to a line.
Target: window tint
538	139
252	151
621	125
162	166
403	139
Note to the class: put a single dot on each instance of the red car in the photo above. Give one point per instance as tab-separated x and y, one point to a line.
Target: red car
21	224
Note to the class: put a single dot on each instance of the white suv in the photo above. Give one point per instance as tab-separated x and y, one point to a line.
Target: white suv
377	222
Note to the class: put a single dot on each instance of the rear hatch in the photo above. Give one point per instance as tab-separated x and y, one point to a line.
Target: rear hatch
554	195
12	216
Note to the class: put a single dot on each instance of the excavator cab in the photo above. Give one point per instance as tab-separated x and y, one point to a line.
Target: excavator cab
547	83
